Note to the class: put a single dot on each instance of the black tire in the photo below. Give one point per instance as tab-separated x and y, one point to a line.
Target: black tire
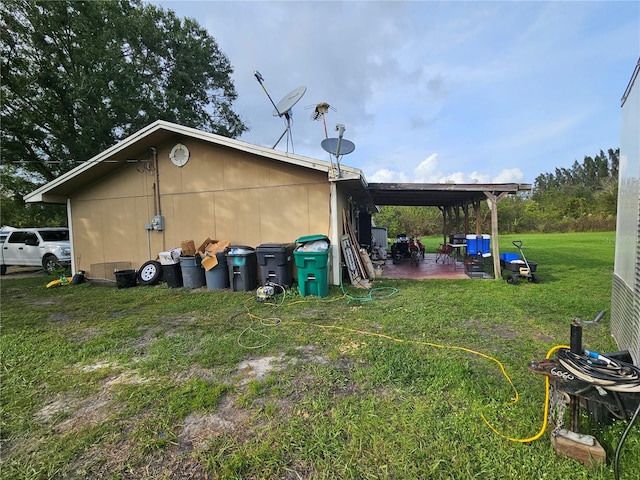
512	279
534	278
50	263
150	273
3	269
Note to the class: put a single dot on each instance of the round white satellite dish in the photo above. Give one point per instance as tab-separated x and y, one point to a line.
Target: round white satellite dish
179	155
289	100
331	145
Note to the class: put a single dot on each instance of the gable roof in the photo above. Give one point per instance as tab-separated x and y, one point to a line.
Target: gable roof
136	145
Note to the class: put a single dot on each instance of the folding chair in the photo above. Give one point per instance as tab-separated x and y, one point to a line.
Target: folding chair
443	253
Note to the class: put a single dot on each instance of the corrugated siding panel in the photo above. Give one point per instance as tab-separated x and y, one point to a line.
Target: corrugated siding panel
625	310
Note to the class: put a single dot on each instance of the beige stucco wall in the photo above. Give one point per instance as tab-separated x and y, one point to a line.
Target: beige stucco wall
220	193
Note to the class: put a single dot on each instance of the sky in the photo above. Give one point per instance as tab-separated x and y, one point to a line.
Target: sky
431	92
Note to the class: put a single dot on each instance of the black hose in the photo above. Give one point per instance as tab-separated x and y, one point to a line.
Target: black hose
616	469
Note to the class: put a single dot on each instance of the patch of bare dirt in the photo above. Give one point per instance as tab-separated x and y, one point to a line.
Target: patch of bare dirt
120	455
23	272
77	413
492	329
199	428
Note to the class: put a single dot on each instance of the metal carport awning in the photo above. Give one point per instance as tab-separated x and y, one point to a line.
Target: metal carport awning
447	196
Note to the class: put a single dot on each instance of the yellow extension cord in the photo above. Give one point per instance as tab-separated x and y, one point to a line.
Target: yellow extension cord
480	354
463	349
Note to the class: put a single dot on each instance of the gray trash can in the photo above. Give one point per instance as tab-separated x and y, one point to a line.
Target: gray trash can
192	272
217	277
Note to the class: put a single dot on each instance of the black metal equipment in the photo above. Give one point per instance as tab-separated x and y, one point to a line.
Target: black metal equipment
604	385
594	380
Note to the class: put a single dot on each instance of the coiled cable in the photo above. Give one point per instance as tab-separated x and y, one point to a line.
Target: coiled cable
614	375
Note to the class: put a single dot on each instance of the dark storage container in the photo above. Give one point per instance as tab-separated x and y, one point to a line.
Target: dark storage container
172	274
276	263
243	268
217	277
474	264
126	278
313	266
192	272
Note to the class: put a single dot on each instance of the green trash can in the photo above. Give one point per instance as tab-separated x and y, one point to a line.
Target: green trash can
312	260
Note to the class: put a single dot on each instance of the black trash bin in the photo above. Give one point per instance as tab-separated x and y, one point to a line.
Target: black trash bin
172	274
243	268
276	263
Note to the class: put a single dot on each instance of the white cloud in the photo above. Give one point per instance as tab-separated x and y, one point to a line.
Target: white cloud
429	171
388	176
509	175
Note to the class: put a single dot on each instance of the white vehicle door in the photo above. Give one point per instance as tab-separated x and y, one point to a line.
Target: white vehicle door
16	251
11	248
30	253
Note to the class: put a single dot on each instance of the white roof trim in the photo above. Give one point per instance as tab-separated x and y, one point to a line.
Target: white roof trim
39	194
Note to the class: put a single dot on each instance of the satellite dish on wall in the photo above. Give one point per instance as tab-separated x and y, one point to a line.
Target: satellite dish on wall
283	108
338	146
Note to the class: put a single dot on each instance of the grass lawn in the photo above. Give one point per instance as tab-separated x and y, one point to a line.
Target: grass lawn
160	383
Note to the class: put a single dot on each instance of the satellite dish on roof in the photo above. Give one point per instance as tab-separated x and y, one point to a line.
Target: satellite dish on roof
285	105
338	146
283	108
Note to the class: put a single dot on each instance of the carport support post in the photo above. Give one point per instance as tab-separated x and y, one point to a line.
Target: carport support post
444	224
334	235
492	201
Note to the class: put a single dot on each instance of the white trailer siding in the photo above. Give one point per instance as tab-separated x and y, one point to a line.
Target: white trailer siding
625	298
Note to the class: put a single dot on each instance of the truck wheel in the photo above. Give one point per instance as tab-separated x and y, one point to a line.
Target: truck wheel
50	263
150	273
3	269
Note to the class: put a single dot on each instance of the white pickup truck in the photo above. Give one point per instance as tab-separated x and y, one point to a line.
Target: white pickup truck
32	247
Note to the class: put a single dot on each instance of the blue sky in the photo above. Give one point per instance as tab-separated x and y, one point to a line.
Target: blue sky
463	92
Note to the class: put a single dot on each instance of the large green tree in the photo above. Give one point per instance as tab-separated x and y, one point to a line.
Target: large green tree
78	76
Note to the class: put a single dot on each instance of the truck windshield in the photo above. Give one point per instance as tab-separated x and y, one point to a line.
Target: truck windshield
54	235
